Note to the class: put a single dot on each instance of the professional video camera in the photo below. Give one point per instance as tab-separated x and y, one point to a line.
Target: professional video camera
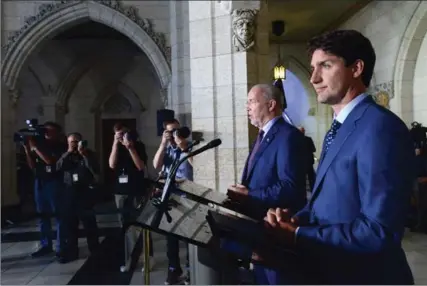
33	130
419	135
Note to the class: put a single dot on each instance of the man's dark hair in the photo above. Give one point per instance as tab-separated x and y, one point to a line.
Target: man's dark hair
350	45
119	126
167	122
78	136
54	125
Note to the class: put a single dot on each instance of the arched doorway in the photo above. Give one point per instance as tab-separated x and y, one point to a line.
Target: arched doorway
411	69
303	108
52	20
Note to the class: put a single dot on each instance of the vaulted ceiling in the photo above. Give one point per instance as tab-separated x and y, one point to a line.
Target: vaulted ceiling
306	18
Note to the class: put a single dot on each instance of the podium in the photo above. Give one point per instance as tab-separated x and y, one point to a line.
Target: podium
199	216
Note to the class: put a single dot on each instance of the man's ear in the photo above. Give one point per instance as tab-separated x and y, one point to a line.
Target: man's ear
358	68
272	105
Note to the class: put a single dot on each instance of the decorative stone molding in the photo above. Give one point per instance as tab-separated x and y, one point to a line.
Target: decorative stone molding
14	95
226	5
244	27
164	96
146	24
130	11
44	10
117	104
382	93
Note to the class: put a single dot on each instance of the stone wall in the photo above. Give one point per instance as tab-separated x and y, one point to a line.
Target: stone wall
396	30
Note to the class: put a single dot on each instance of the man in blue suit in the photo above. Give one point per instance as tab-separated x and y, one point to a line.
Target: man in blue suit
274	175
351	230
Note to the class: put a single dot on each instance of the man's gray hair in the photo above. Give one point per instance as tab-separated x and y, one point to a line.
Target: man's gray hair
271	92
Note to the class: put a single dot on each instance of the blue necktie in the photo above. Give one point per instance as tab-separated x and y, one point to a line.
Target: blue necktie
255	148
330	136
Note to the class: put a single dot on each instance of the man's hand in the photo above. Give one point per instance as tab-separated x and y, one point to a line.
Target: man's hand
239	189
32	143
118	137
82	150
127	143
167	135
282	225
280	215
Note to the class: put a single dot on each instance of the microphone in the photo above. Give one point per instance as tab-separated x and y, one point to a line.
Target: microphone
191	145
214	143
170	183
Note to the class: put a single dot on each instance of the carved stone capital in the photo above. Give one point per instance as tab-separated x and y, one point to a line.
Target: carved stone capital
244	29
14	95
61	109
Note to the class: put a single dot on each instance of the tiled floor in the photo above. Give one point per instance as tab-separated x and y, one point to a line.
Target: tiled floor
18	268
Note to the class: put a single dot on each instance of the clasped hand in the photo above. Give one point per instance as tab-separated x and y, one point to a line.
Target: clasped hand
281	226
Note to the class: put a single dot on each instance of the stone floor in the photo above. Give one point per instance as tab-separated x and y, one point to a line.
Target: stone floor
18	268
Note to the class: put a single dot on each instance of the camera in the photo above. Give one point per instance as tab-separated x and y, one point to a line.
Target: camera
33	130
83	144
131	135
183	132
419	135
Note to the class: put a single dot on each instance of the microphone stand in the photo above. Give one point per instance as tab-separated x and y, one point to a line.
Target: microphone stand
162	204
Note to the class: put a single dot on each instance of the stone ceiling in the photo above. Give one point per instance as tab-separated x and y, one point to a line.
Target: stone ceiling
306	18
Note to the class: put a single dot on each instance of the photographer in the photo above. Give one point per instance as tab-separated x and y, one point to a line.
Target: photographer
80	171
128	159
170	149
41	155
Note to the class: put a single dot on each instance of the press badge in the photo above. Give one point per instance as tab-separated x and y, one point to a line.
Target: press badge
123	179
48	169
75	177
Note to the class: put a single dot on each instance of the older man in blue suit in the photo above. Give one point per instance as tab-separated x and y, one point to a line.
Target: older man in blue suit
351	230
274	175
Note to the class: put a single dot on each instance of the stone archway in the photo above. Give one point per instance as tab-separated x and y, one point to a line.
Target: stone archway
54	18
405	63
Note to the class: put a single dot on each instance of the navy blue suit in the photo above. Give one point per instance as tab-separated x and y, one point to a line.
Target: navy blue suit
360	200
277	179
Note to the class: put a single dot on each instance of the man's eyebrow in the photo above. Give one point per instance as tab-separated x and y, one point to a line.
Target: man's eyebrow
322	62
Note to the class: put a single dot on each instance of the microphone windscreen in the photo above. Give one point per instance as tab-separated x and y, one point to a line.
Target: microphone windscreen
214	143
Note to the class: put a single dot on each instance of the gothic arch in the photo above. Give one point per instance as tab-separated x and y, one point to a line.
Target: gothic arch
109	91
405	62
59	16
301	72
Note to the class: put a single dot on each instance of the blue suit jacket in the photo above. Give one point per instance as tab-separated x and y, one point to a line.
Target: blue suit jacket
357	211
277	176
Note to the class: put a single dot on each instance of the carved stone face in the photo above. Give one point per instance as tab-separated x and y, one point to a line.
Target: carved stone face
244	27
244	30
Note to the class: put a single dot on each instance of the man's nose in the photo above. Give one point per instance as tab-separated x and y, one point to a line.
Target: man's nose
315	77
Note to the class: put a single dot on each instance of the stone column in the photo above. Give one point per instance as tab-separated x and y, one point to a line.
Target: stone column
49	108
180	93
225	64
9	191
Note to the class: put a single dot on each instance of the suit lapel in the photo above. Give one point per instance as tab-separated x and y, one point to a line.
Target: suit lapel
343	133
264	144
